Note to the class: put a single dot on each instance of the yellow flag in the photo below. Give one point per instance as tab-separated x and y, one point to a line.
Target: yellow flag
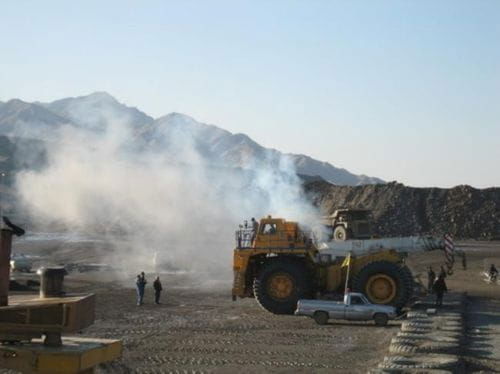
347	261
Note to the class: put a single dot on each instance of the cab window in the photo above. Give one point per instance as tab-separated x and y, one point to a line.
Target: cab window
269	229
356	300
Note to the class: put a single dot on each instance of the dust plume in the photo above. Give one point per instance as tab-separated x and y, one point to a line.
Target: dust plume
167	202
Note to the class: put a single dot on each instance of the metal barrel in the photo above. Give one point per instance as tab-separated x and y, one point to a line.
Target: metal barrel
51	281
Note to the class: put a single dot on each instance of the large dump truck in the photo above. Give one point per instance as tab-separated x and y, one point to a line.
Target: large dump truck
279	263
345	224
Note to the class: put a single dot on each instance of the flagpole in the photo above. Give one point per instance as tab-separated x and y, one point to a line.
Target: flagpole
348	273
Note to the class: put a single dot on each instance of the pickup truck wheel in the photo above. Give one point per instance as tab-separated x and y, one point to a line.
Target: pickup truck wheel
321	318
280	284
381	319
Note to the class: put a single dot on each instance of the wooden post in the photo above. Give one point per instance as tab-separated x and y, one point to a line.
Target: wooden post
5	248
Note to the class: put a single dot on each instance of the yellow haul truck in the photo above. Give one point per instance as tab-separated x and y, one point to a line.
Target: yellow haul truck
278	263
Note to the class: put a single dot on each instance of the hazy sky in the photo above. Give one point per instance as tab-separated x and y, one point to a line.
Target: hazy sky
401	90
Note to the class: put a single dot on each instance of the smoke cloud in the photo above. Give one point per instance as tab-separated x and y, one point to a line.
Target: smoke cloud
164	200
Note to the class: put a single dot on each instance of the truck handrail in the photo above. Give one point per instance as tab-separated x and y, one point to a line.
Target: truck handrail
245	238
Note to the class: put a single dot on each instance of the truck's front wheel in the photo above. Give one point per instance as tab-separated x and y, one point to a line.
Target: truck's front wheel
340	233
280	284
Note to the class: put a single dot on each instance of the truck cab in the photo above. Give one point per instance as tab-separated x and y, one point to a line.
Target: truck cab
271	234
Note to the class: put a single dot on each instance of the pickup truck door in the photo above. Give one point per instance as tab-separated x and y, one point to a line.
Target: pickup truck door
338	312
358	310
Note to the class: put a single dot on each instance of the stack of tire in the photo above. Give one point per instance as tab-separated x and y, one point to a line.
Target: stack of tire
427	343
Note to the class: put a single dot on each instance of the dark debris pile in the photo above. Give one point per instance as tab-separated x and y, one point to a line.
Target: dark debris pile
464	211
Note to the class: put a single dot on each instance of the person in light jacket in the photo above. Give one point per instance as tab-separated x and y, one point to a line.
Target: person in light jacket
141	286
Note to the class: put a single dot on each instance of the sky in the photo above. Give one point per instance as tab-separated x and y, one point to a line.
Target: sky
401	90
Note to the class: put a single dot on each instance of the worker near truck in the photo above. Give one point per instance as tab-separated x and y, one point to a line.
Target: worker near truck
493	273
140	285
442	273
431	277
255	226
440	288
158	288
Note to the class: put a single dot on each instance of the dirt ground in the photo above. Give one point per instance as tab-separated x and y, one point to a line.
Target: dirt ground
199	329
482	350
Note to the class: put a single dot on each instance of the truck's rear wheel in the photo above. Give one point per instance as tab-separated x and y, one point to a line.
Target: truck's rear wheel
280	284
321	318
384	282
340	233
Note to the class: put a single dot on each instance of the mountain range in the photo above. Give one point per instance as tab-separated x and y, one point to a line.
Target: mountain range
40	122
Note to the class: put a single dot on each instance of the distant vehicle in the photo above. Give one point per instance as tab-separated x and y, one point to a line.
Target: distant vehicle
355	307
349	224
20	263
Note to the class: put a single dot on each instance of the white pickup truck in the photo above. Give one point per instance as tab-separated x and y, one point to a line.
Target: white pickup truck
355	307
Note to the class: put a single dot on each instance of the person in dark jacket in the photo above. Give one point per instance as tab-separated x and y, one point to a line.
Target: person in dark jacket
255	226
493	273
431	277
442	273
158	288
141	286
439	289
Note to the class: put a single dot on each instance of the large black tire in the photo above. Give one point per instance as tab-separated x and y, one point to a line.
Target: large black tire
293	273
340	233
408	279
398	276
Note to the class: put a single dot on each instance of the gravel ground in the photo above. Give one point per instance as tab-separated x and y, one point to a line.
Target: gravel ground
199	329
204	331
483	353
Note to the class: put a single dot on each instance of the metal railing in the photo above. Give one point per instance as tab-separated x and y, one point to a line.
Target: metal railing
245	239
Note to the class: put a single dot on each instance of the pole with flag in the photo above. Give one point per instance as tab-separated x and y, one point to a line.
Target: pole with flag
449	252
347	262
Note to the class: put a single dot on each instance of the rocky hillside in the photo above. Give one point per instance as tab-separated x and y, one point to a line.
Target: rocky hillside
464	211
173	133
25	120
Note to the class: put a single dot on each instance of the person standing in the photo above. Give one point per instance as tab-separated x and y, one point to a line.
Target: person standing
255	226
141	286
431	277
464	261
158	288
493	273
442	273
439	289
